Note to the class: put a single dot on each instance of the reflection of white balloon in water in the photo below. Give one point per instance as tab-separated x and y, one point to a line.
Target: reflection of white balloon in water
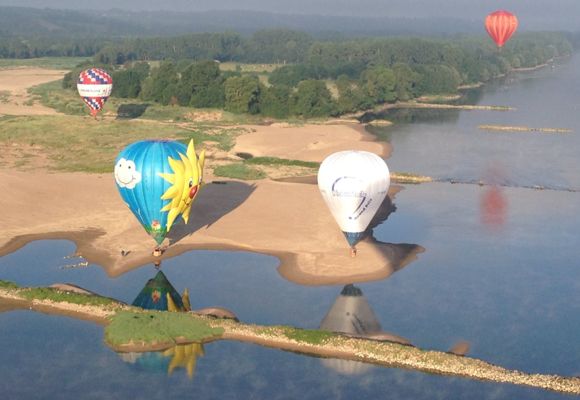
353	185
350	314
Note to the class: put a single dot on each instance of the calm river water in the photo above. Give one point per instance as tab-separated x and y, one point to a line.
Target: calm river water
499	271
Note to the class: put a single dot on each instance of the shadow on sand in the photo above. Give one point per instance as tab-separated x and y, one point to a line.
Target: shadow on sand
386	258
216	199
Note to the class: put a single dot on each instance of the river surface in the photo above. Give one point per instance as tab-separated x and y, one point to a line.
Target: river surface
499	271
450	145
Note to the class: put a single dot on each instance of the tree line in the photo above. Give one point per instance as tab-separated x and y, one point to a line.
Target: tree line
17	47
31	23
324	78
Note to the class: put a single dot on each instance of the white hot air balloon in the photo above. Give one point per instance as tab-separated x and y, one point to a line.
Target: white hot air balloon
353	185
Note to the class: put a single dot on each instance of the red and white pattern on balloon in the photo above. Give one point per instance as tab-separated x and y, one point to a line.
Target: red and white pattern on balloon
95	76
95	103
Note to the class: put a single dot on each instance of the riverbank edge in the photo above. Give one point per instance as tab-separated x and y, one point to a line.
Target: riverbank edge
385	354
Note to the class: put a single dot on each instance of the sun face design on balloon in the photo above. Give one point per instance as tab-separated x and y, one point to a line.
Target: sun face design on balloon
186	181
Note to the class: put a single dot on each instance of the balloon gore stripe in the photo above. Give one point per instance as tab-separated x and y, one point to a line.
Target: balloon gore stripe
501	25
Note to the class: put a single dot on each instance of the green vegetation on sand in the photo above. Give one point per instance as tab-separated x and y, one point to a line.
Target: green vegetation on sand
245	170
406	177
282	162
81	144
66	296
8	285
239	171
148	328
310	336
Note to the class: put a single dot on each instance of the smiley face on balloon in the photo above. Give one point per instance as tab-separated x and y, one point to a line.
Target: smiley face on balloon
159	180
126	174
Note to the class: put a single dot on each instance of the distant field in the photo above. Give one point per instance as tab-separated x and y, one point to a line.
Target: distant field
261	70
74	143
45	62
245	68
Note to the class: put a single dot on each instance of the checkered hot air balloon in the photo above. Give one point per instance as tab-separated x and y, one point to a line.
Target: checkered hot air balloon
95	86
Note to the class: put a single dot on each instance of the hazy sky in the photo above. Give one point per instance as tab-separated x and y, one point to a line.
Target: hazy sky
535	14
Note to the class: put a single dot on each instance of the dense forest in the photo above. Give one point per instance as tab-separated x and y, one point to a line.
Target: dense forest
313	78
35	22
318	72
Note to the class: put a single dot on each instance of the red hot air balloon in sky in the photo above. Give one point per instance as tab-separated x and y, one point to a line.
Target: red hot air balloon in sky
95	86
501	25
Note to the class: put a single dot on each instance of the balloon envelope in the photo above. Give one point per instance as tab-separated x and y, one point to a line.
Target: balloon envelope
95	86
154	295
353	184
158	180
501	25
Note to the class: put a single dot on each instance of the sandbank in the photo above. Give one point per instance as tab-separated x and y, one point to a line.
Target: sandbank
16	82
288	220
309	142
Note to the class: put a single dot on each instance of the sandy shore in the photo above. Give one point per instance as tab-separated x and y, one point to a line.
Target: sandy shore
16	81
288	220
308	142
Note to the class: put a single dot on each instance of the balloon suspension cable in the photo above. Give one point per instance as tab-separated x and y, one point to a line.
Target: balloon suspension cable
157	264
353	251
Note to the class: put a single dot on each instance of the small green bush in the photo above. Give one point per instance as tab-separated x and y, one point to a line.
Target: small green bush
239	171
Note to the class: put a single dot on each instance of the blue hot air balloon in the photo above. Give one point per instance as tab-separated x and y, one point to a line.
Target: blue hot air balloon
158	180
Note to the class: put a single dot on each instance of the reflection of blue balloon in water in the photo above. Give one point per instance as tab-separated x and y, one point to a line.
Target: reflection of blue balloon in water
180	356
158	180
353	185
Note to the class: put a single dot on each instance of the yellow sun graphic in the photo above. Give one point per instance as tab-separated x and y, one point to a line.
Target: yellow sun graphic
186	181
184	356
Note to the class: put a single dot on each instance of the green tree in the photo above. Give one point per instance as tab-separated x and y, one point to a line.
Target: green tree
291	75
242	94
127	82
202	85
278	46
312	99
437	79
351	97
379	84
405	81
162	85
274	101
